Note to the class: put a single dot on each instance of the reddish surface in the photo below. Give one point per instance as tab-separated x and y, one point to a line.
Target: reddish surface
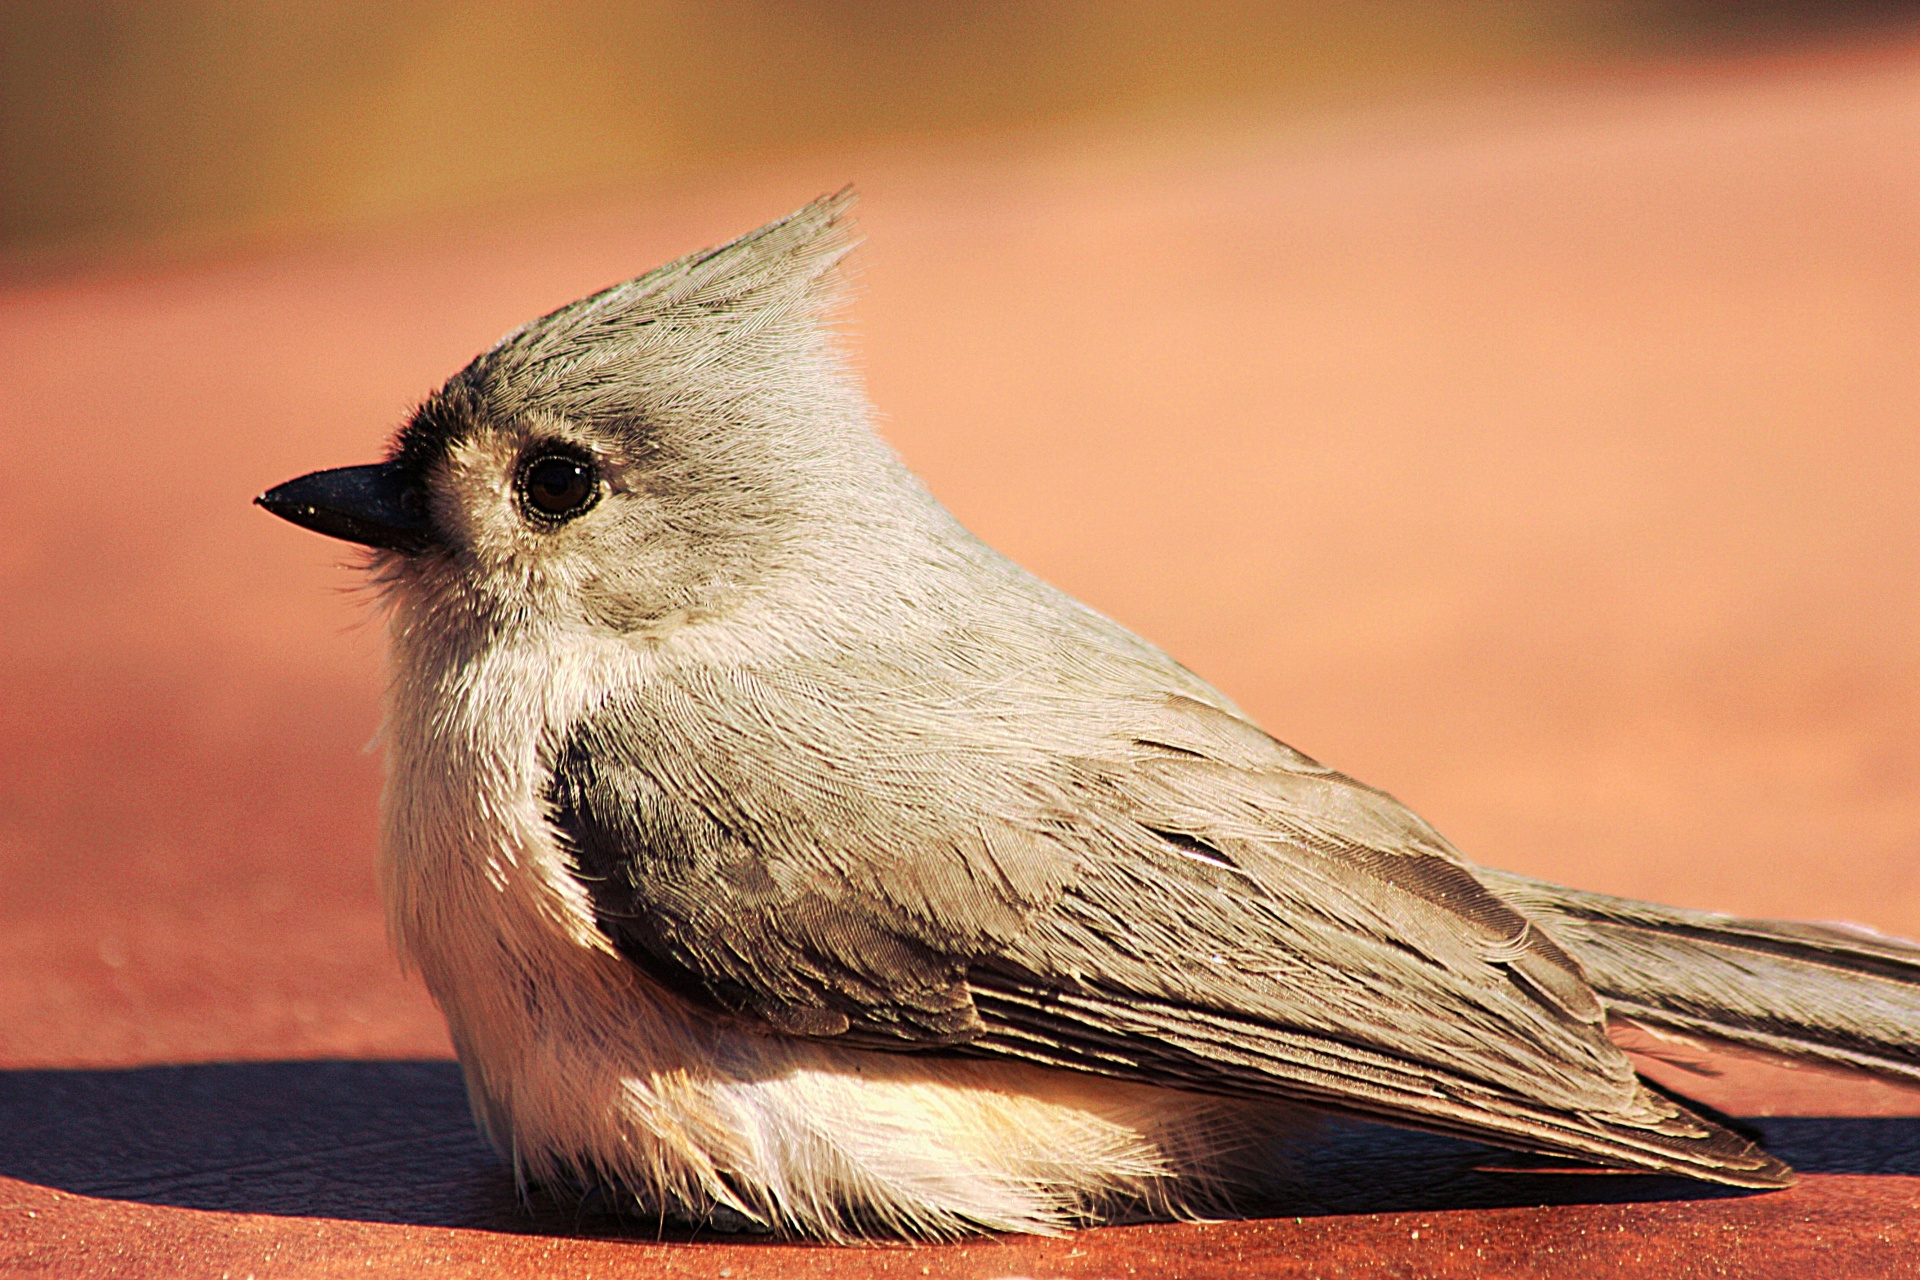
1832	1227
1549	460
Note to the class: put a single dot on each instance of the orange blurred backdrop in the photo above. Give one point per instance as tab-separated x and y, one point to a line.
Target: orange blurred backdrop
1512	404
190	123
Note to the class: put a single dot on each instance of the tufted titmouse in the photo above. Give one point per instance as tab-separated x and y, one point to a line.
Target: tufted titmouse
783	857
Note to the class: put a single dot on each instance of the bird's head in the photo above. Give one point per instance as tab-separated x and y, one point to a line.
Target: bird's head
642	456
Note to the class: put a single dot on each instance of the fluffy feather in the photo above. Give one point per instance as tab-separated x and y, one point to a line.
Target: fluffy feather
778	851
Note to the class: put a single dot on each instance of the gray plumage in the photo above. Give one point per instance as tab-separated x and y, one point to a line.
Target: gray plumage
778	849
1837	995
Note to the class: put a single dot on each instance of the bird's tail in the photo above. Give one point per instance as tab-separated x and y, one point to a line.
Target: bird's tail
1833	994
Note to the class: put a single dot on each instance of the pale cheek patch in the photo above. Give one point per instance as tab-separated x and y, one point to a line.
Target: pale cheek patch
474	498
521	569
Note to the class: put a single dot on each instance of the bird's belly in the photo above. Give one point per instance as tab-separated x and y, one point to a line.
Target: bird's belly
606	1082
580	1070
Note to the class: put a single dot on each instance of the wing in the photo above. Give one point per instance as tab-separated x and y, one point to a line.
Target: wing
1141	886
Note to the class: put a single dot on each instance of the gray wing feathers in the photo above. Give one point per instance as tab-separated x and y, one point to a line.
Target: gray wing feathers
754	872
1205	1051
1160	892
1828	994
1311	971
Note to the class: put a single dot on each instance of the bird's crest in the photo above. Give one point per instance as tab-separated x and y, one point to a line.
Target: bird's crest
744	320
780	273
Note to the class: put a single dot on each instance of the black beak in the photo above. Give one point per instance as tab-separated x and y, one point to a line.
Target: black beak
377	506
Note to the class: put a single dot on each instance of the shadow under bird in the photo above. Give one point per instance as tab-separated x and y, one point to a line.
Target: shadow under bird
783	858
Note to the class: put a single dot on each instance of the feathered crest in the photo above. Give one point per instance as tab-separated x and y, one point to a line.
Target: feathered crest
747	307
763	277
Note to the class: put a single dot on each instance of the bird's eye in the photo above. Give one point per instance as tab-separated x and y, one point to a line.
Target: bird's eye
559	486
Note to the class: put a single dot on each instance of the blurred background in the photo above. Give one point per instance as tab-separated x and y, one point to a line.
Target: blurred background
1511	403
196	123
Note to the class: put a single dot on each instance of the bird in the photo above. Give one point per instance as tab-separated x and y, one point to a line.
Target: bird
784	859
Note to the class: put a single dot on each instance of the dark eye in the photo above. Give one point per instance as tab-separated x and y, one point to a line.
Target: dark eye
559	486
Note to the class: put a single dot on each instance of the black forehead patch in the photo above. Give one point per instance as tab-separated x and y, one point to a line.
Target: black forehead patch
448	417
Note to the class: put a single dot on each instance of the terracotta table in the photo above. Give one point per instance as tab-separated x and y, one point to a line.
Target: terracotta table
1548	457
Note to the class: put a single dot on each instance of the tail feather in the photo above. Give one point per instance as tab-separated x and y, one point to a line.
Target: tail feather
1832	994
